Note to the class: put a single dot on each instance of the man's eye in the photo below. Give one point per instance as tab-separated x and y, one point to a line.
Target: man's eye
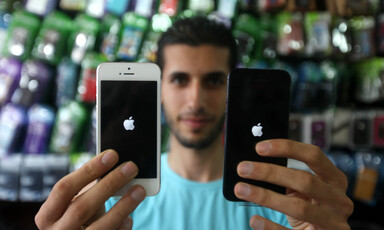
180	80
214	82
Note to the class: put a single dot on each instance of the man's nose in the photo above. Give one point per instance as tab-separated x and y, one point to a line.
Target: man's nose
196	96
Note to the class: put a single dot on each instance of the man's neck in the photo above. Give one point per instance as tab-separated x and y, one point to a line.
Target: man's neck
202	165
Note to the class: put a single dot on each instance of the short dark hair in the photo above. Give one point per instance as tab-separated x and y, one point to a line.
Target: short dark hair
195	31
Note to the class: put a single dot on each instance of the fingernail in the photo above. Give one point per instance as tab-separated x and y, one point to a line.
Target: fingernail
138	194
108	158
245	168
243	189
257	224
129	169
128	223
263	147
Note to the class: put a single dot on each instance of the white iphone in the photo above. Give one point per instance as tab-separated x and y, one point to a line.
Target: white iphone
128	118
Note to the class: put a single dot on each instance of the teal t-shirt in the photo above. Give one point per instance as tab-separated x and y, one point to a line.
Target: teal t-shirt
186	204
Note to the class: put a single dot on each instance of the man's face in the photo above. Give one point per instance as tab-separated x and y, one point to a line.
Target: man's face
194	84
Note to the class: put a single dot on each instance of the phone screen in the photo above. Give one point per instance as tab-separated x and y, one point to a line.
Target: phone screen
128	117
257	110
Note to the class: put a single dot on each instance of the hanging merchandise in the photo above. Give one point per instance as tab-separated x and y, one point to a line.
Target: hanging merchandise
159	24
86	90
246	32
117	7
55	167
248	6
317	129
271	5
9	174
144	8
12	127
321	131
66	81
34	83
327	89
40	123
308	93
349	8
378	130
110	32
134	27
290	32
5	20
226	11
10	71
31	178
341	128
318	37
21	35
95	8
361	127
67	134
267	48
170	7
291	69
370	80
380	34
83	37
73	5
341	38
41	8
50	44
296	127
345	161
11	5
369	177
204	7
90	142
363	38
301	5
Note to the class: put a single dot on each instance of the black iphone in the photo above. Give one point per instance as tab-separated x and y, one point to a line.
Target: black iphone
257	110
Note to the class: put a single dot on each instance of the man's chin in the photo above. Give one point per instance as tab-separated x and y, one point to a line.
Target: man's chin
196	142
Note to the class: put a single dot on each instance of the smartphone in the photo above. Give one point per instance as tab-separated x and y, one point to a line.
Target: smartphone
362	129
257	110
128	118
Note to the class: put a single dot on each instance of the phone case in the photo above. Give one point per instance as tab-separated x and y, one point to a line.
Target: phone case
35	80
378	130
257	110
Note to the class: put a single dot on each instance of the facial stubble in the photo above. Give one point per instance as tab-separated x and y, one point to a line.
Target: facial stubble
202	143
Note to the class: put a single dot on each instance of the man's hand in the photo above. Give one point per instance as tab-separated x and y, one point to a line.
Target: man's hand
313	201
70	207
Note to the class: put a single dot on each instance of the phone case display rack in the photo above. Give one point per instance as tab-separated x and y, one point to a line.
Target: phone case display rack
49	52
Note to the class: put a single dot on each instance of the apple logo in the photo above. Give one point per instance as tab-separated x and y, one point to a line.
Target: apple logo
256	130
128	124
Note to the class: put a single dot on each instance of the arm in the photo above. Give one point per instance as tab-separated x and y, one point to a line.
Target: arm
313	201
70	207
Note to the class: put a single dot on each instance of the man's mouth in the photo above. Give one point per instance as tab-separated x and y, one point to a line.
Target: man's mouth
196	122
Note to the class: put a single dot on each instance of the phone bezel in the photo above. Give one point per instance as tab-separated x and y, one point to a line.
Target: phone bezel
133	71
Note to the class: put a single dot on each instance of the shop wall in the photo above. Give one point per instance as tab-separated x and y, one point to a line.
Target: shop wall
49	51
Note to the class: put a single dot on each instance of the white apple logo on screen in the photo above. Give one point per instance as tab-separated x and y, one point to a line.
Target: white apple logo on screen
256	130
128	124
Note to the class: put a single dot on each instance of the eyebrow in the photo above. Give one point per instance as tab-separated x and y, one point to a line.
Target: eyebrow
216	74
178	73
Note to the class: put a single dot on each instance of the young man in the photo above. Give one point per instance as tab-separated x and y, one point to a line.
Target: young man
195	56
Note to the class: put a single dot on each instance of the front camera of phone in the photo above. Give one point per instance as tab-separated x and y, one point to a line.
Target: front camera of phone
129	68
